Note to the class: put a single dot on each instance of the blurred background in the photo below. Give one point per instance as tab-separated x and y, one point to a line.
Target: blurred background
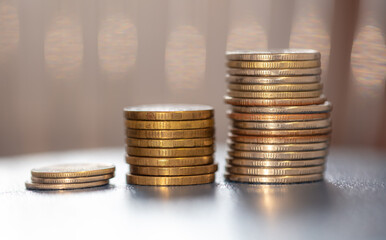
68	67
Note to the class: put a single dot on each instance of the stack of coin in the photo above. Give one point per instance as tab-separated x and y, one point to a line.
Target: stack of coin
280	119
70	176
170	144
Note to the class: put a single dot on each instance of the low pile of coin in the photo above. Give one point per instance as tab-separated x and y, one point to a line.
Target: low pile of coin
170	144
70	176
280	119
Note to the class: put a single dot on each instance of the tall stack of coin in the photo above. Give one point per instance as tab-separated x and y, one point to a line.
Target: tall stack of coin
280	119
70	176
170	144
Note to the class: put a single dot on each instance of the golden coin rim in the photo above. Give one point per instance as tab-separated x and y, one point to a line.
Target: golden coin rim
169	125
170	134
274	179
274	95
313	124
44	186
297	132
275	87
273	102
283	140
170	181
273	80
44	172
251	117
267	171
275	163
274	64
319	108
169	143
274	72
278	147
277	55
71	180
278	155
170	152
173	171
170	162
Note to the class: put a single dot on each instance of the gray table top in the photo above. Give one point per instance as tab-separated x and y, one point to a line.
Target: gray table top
349	204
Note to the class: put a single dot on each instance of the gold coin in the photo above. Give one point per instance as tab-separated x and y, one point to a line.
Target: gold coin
301	132
274	72
274	55
174	143
278	147
274	64
275	163
278	155
325	107
73	170
274	102
283	125
169	112
170	134
170	152
280	140
277	117
167	125
274	179
307	94
169	162
275	87
71	180
274	171
44	186
173	171
273	80
170	181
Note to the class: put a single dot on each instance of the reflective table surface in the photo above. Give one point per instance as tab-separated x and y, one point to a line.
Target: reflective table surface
349	204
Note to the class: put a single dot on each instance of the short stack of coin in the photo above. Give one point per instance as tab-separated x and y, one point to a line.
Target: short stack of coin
280	119
170	144
70	176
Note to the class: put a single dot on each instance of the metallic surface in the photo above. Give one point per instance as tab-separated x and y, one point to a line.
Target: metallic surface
72	180
283	125
135	124
172	143
348	204
169	162
273	80
299	132
64	186
276	117
275	87
274	64
325	107
274	72
170	134
274	179
73	170
274	95
278	155
278	140
278	147
170	181
173	171
275	163
274	102
274	55
276	171
169	152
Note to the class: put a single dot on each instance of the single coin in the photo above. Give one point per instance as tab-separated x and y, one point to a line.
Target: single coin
280	140
170	181
174	143
325	107
275	163
169	152
278	147
274	179
278	155
274	55
170	134
277	117
283	125
273	80
274	64
73	170
275	87
274	102
44	186
299	132
135	124
169	112
274	171
173	171
307	94
72	180
274	72
169	162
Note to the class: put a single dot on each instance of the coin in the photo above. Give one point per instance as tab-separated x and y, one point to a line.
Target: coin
277	117
169	112
278	155
274	72
283	125
170	181
299	132
173	171
161	143
274	179
273	80
275	163
274	55
73	170
280	140
170	152
307	94
44	186
72	180
274	171
170	134
274	102
206	123
274	64
169	162
275	87
278	147
325	107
